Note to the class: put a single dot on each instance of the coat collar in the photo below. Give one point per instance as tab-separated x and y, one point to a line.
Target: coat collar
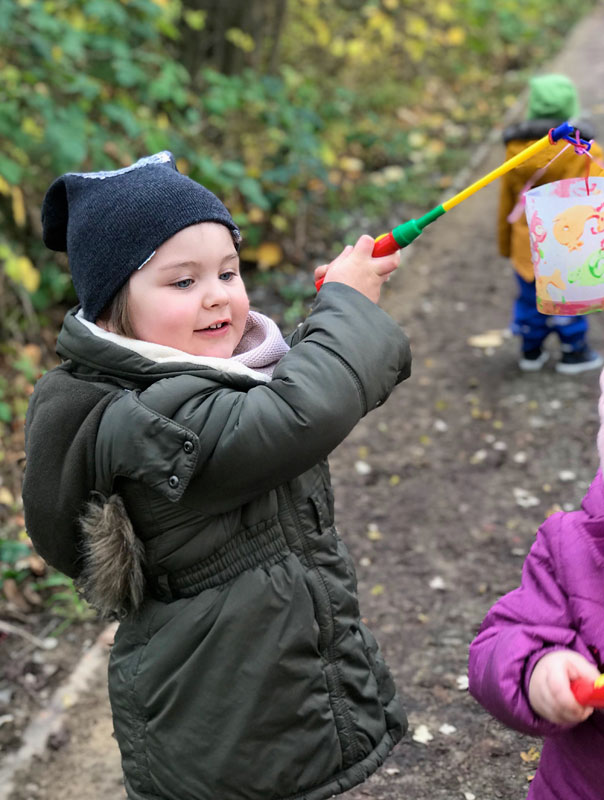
99	353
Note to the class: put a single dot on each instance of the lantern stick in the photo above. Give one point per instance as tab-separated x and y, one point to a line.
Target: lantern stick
404	234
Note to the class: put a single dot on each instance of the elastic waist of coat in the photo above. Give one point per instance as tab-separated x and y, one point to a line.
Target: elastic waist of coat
263	545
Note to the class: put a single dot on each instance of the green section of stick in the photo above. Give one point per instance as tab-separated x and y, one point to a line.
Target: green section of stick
410	230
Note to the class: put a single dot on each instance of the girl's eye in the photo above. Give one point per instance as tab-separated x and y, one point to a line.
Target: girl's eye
227	276
184	283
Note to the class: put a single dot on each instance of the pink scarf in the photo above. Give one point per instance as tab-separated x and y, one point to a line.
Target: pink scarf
261	345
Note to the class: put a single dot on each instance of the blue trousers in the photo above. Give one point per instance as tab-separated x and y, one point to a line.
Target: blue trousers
534	326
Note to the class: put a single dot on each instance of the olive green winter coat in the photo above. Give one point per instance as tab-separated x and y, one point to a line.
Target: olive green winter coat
242	670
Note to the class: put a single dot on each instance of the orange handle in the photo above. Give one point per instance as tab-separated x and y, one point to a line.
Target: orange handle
588	693
384	246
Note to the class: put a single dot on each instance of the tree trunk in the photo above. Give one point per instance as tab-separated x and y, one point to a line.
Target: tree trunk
262	20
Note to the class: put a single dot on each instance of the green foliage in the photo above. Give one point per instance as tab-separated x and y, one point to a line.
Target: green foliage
11	552
64	599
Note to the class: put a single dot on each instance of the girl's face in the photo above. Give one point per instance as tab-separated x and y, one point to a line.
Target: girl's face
190	295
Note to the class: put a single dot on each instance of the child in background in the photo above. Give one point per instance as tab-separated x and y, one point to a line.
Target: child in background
538	638
552	100
176	468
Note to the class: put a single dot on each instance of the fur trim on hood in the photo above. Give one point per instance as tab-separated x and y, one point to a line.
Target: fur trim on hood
112	579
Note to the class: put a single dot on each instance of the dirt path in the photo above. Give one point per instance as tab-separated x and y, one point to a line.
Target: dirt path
432	512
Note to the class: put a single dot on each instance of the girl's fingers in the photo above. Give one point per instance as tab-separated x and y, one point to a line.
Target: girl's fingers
365	244
385	265
348	249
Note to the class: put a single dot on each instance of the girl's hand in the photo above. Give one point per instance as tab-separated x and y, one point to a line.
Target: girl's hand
550	694
356	267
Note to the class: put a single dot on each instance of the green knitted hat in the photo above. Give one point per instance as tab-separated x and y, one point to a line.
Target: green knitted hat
552	97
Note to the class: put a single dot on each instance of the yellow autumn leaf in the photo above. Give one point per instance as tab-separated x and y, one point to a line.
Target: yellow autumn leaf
30	127
415	50
377	589
4	187
355	48
322	32
240	39
328	155
532	754
269	254
435	147
374	534
163	122
255	214
444	11
77	20
6	497
338	47
196	20
394	480
280	223
417	26
391	5
18	206
350	164
417	139
20	270
183	165
378	19
456	36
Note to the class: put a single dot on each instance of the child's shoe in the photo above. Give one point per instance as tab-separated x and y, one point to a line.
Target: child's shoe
533	360
579	361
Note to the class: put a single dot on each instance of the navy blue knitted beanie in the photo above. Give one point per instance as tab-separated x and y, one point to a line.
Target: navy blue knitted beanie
111	223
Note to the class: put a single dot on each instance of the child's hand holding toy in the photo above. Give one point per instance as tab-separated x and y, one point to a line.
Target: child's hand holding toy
551	693
356	267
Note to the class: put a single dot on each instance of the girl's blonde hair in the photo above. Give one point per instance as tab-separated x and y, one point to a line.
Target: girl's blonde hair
116	317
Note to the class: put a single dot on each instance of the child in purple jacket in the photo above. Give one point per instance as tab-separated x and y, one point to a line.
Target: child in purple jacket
544	634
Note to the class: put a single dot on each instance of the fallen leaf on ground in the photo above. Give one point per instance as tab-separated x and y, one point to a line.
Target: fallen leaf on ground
487	339
532	754
422	734
447	729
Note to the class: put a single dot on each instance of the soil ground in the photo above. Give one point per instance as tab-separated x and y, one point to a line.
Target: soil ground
428	500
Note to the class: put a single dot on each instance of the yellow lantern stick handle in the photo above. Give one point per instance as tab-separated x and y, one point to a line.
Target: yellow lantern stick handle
511	163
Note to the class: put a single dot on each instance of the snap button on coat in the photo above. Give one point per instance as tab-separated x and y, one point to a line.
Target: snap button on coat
173	482
188	447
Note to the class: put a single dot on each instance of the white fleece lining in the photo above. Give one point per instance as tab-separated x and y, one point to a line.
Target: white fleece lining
161	354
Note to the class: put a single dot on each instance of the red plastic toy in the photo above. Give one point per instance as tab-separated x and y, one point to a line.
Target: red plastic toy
589	693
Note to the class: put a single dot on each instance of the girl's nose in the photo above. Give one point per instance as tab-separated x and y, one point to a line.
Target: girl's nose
215	295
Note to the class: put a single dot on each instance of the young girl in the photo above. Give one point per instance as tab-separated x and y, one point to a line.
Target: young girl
545	634
176	467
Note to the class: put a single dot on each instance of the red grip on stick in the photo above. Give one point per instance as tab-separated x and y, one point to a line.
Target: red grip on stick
587	693
384	246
